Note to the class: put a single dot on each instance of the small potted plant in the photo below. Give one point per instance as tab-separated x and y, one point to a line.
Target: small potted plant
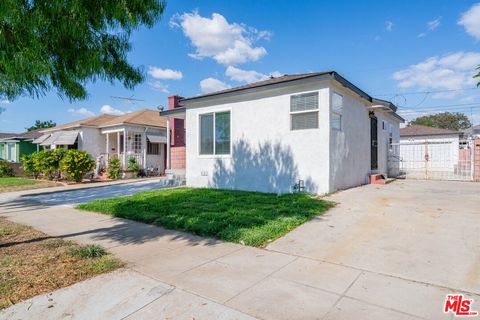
132	167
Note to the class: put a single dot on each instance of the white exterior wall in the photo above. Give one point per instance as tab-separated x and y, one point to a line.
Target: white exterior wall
92	141
350	146
266	155
350	153
383	139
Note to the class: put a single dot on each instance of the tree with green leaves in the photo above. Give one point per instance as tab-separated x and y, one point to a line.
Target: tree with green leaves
64	44
445	120
41	125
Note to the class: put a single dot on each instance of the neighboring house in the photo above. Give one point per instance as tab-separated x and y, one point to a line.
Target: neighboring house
315	132
14	146
472	132
140	134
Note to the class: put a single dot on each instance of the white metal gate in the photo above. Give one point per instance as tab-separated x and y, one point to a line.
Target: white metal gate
438	160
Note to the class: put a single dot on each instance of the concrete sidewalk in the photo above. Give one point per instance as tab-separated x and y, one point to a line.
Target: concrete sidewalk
309	274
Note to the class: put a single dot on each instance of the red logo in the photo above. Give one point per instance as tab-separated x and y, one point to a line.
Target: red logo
459	306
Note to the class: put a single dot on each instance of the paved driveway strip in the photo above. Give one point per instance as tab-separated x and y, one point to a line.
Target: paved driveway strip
385	252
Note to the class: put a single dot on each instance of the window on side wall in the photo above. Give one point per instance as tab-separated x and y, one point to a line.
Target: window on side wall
215	133
153	148
304	111
337	111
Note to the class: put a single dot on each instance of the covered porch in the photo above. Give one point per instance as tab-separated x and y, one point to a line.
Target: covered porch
144	145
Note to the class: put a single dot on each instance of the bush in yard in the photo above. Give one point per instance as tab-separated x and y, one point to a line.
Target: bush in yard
113	168
49	162
5	169
76	164
31	165
132	164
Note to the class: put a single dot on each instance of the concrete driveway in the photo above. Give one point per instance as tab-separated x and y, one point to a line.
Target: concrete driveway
76	196
384	252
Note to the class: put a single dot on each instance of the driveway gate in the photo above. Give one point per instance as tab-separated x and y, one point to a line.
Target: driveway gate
438	160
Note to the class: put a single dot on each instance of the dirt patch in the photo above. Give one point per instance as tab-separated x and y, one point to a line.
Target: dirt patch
33	263
41	184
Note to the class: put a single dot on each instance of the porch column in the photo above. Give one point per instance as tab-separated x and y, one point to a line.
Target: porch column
168	143
107	147
118	145
125	148
144	149
38	147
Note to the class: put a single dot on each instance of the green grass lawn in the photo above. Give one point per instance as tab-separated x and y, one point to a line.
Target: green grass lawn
252	218
16	182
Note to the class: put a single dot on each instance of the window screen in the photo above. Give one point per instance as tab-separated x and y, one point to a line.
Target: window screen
304	102
337	111
206	134
222	133
304	120
301	115
215	133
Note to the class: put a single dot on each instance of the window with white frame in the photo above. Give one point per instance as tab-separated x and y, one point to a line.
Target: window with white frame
215	133
337	111
304	111
137	143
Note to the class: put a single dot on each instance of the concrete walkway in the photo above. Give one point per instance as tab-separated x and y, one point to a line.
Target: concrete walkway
382	253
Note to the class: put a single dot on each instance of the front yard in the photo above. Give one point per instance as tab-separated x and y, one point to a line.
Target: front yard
33	263
250	218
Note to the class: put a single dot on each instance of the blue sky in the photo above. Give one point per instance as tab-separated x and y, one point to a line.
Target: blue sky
420	54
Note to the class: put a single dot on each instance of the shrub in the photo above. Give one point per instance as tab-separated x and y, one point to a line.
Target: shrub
49	162
113	168
88	251
31	165
132	164
76	164
6	169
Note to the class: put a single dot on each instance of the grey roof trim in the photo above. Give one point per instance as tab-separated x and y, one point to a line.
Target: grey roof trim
250	87
173	112
319	75
385	103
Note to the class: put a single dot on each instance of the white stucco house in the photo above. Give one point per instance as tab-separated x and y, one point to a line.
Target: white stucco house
316	131
140	134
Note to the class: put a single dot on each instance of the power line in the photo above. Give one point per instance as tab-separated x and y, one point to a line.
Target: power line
463	109
447	105
424	92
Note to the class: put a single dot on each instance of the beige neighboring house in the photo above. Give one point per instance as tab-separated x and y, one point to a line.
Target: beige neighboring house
140	134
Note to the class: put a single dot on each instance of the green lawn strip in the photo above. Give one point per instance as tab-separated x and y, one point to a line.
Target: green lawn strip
16	181
252	218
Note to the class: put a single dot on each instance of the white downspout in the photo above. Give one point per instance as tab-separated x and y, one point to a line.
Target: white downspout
168	143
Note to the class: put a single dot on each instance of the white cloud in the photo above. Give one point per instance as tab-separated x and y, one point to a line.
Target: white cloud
211	84
450	72
5	101
434	24
388	26
227	43
240	75
159	86
470	20
431	26
248	76
84	112
165	74
108	109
